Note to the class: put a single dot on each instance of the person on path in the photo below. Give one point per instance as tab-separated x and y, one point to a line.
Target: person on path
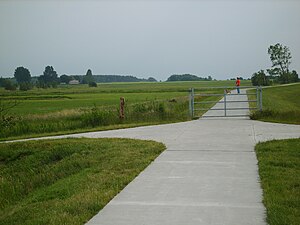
237	84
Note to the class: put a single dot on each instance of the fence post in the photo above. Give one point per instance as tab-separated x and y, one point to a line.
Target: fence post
260	98
225	102
122	110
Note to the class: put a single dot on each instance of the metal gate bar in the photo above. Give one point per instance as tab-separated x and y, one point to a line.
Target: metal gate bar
192	102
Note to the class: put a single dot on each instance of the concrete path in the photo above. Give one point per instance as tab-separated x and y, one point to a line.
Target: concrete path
207	176
234	108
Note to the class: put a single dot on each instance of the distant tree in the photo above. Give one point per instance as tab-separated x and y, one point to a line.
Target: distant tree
185	77
89	73
49	77
22	75
2	80
260	79
289	77
294	76
65	78
281	58
209	78
88	77
8	85
151	79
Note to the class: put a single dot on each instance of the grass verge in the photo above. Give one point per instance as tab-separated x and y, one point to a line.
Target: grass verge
67	181
279	169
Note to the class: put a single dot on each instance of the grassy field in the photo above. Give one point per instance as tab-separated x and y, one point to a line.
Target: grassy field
68	109
280	104
279	169
41	101
67	181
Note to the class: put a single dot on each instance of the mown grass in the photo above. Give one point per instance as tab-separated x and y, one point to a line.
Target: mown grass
67	181
280	104
279	169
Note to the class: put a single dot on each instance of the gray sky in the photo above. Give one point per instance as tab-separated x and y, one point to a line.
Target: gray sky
220	38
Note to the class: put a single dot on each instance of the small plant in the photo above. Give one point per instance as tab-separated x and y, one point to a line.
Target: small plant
262	114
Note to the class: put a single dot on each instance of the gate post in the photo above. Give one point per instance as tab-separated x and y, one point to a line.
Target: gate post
260	98
257	98
225	102
191	102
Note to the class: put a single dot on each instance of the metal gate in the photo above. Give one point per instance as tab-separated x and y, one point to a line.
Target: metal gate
229	101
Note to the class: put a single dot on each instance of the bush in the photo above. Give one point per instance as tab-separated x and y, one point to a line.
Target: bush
260	79
262	114
8	121
92	84
25	86
8	85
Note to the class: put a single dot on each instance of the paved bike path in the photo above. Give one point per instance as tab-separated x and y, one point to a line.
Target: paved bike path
208	174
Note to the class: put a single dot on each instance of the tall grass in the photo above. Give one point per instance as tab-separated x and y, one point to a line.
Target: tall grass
41	101
151	112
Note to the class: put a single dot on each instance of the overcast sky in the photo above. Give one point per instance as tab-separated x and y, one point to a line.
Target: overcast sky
220	38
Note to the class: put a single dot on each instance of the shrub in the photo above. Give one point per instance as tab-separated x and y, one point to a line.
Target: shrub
262	114
260	78
8	121
8	85
25	86
92	84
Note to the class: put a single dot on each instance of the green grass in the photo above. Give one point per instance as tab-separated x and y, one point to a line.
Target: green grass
279	169
67	181
281	104
41	101
79	108
99	118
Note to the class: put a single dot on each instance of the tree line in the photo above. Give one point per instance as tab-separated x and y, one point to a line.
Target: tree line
50	78
24	80
188	77
280	57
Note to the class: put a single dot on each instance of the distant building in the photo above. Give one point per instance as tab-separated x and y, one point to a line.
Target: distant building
74	82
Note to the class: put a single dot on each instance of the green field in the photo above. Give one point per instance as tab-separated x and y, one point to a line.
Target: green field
79	108
66	97
67	181
279	169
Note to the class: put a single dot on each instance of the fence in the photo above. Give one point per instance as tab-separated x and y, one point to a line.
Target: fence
227	103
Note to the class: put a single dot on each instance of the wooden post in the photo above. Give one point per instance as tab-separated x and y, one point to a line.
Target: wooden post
122	107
